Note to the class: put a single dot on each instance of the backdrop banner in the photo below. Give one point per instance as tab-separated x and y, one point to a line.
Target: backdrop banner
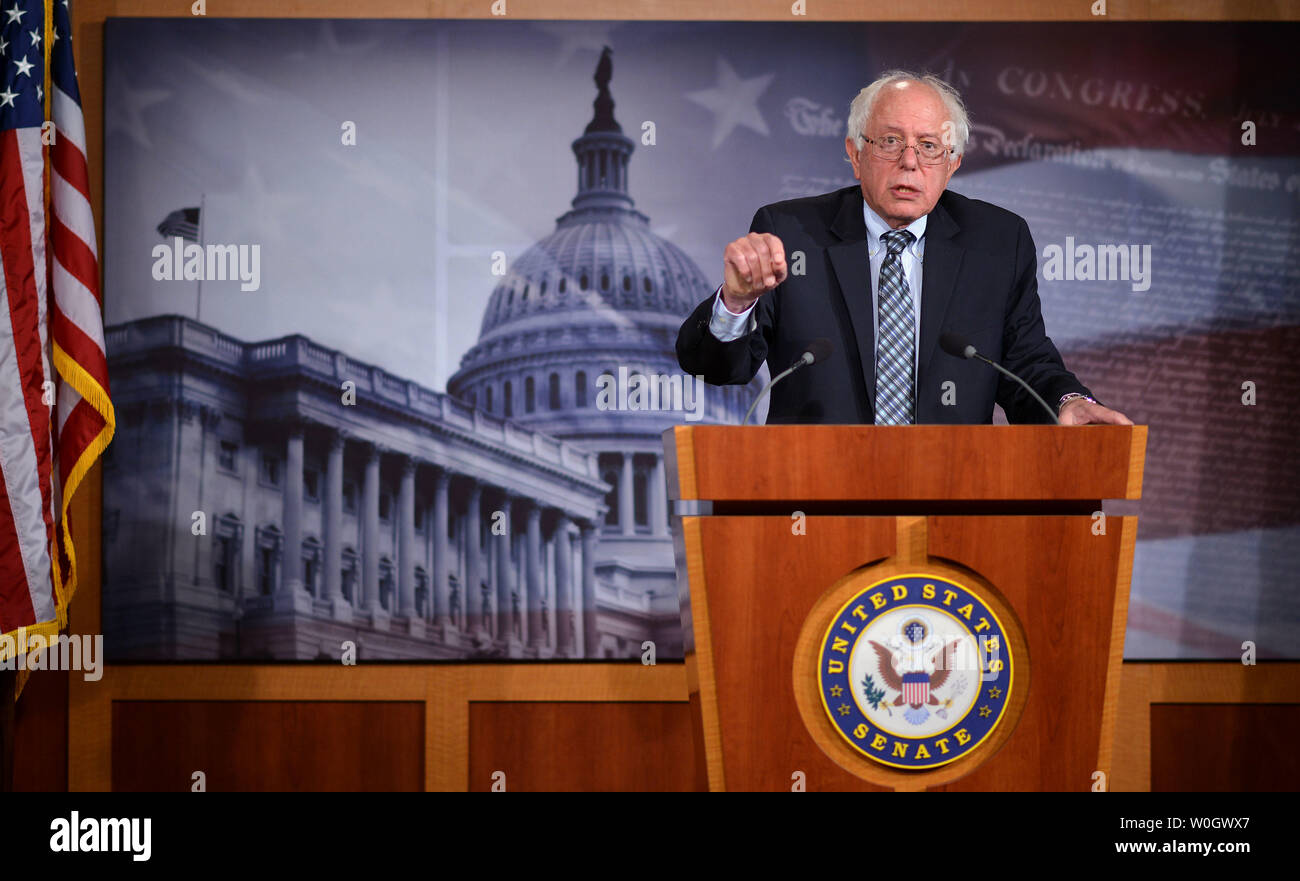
391	309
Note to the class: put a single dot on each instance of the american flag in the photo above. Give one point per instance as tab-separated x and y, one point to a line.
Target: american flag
183	222
55	414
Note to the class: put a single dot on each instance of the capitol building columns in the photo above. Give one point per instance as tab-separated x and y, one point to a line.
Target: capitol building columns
523	581
507	584
536	632
472	597
441	550
370	532
488	570
329	525
657	491
293	510
332	527
590	632
626	491
408	551
291	593
564	623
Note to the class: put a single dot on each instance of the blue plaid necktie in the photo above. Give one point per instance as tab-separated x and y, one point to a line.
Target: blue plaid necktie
894	351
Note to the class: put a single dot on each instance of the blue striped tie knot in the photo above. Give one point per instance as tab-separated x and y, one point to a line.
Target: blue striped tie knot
896	240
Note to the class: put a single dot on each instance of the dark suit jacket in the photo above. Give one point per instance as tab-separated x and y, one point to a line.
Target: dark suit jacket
979	279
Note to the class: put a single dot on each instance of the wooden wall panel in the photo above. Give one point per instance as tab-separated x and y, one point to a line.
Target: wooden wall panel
1224	748
268	746
586	747
1153	737
442	692
41	734
1140	743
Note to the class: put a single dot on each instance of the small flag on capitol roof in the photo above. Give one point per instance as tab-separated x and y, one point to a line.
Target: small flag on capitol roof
183	222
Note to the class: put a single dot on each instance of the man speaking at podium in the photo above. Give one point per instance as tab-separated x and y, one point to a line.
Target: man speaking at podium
882	271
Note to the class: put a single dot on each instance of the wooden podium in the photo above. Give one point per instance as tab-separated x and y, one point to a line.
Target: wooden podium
917	545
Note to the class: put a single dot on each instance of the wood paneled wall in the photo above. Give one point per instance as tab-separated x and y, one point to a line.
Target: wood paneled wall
1181	726
1232	746
427	711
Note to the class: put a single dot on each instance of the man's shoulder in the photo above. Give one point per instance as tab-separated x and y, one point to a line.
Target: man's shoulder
833	199
809	214
822	204
980	220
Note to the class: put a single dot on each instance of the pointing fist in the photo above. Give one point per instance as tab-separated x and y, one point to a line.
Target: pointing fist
751	267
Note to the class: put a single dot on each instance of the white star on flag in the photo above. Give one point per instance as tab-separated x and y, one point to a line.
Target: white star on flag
734	101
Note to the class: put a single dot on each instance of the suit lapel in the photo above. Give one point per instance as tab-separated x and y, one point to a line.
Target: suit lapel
853	272
939	275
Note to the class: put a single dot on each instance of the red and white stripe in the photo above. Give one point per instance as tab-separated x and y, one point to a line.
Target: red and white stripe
916	692
27	504
76	316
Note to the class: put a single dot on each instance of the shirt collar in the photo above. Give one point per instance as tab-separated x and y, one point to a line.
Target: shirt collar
876	227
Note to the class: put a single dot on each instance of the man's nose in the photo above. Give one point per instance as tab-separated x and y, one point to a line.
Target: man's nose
909	158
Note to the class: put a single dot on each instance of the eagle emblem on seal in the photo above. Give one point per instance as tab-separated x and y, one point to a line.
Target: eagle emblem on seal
908	670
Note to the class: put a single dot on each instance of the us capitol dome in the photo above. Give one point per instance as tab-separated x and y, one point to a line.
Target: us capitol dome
603	295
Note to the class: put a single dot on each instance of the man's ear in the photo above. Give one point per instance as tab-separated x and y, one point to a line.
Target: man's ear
851	149
953	166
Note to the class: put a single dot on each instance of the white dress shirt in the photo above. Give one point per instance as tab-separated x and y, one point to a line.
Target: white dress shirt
727	325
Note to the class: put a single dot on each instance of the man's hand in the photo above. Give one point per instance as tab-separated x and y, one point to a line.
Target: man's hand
751	266
1080	411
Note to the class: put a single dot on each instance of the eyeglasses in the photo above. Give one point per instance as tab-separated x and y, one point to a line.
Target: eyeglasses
891	147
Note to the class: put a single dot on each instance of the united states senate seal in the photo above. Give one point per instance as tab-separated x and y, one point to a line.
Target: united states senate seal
915	671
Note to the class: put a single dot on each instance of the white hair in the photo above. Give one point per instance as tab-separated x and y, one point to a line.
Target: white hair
861	107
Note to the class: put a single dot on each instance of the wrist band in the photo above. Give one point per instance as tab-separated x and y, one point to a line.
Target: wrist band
1065	399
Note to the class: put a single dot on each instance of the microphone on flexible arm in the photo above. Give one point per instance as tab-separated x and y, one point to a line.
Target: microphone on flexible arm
818	350
959	347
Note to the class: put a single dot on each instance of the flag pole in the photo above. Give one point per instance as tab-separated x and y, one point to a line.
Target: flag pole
198	297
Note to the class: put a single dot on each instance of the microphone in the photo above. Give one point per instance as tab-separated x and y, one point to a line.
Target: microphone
818	350
959	347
